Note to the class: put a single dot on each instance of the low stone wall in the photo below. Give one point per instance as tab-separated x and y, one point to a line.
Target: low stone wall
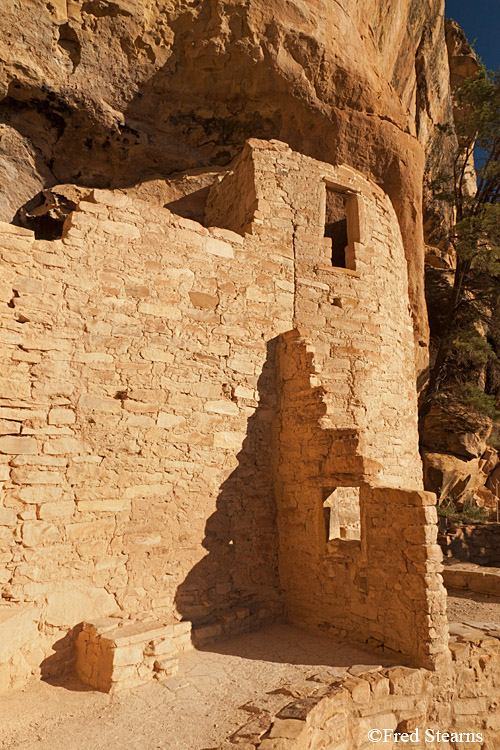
472	577
236	621
459	699
478	543
114	653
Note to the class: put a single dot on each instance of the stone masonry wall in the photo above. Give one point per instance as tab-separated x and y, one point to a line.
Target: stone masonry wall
386	589
475	543
137	397
139	394
358	318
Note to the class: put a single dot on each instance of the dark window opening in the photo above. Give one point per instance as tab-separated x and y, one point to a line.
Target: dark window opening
336	226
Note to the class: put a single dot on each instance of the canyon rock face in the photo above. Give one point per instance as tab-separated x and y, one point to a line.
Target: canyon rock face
105	93
156	97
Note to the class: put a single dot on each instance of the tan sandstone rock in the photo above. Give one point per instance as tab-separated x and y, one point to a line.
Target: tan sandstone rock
116	94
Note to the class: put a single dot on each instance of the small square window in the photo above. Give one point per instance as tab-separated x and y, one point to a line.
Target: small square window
342	514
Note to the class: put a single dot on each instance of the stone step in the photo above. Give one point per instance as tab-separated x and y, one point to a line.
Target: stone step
472	577
237	620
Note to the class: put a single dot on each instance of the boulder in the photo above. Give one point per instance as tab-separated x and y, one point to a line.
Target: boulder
489	460
451	429
484	498
449	476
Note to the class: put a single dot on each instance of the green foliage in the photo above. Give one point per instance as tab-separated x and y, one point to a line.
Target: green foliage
480	401
478	98
473	306
469	514
474	347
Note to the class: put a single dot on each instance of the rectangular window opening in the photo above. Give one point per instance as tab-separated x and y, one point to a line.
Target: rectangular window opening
342	514
336	226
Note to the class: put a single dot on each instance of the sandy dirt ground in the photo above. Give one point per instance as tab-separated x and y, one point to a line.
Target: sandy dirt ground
196	710
468	605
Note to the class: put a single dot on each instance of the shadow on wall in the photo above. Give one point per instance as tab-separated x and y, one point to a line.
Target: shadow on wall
58	669
241	567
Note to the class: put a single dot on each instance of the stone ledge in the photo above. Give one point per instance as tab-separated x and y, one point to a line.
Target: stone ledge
472	577
6	228
114	653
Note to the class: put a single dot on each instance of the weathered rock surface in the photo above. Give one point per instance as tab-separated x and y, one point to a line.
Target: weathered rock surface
457	479
453	443
105	93
458	463
441	145
493	482
449	476
448	429
184	194
462	58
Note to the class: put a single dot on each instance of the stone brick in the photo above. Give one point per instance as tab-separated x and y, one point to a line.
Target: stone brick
40	493
218	248
36	476
37	533
145	490
229	440
55	511
99	403
157	355
8	427
113	505
169	421
8	517
289	729
61	416
222	407
200	299
169	312
18	445
64	446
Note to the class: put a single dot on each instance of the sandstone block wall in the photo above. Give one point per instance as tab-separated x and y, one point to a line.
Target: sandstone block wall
474	543
347	419
402	598
358	318
137	400
385	589
140	391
